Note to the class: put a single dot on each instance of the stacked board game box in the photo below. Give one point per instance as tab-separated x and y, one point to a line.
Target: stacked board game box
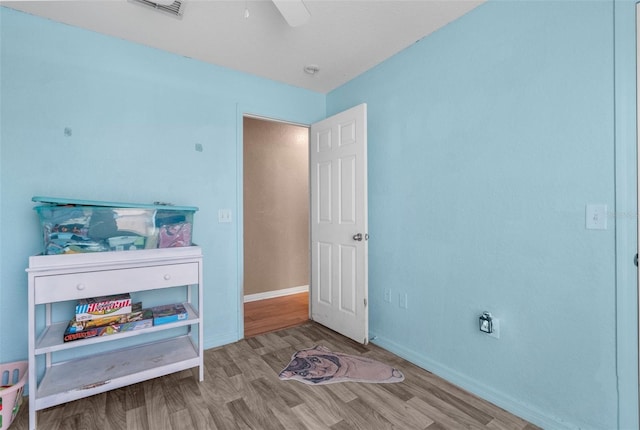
103	316
169	313
101	307
76	326
136	320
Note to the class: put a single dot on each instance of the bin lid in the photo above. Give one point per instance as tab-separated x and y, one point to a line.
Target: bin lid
65	201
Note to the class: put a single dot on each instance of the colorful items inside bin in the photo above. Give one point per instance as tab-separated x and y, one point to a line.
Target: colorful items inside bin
74	226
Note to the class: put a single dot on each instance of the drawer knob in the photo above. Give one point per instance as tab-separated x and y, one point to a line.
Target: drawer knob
80	287
167	277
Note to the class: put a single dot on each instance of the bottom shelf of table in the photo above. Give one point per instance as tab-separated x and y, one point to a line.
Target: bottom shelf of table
75	379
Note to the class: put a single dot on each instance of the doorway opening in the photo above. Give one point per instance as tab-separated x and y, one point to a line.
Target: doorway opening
275	224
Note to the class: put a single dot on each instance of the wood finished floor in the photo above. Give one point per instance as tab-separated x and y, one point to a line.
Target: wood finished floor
264	316
241	390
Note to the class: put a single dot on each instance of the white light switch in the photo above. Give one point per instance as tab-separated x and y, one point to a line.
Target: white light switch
596	217
224	215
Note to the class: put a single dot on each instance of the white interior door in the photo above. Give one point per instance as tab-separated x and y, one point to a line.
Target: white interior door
339	254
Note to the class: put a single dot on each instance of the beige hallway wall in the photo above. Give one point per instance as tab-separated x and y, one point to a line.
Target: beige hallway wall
276	206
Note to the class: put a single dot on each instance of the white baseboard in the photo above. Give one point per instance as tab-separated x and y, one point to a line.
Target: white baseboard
276	293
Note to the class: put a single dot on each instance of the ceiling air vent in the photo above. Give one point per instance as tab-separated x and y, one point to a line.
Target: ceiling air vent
175	8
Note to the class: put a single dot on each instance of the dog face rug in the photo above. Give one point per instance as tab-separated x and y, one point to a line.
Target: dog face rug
318	365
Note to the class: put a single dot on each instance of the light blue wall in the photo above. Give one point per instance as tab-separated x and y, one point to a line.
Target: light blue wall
136	115
486	141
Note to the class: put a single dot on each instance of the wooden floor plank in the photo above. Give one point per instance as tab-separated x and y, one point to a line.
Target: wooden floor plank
310	418
360	415
115	410
156	406
442	417
398	412
242	391
181	419
137	419
264	316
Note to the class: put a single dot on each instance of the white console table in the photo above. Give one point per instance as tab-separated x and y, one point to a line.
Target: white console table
59	278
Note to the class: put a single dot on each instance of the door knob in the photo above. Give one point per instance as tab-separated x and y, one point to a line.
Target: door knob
357	237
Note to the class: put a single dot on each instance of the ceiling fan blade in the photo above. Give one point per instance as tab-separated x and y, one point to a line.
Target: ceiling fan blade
293	11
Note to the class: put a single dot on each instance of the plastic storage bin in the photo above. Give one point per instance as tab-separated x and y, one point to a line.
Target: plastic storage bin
13	376
72	226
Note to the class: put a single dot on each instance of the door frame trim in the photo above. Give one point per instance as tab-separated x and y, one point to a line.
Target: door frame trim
627	200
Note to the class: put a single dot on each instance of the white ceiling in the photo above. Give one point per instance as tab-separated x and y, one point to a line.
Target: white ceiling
343	38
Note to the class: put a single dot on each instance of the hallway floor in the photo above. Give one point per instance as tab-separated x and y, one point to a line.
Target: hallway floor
264	316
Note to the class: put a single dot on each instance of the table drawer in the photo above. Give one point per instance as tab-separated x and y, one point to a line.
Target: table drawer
79	285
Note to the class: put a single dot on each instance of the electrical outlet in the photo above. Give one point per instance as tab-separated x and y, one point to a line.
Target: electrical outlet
387	295
489	325
403	301
486	322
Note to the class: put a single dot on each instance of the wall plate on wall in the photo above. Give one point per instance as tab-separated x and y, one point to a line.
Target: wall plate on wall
596	217
224	215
